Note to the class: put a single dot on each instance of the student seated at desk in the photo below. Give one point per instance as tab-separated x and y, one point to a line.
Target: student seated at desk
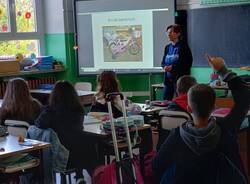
18	104
178	105
107	82
180	102
65	115
205	149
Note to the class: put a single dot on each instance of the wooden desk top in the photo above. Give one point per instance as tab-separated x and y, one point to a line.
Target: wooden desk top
12	147
97	130
48	91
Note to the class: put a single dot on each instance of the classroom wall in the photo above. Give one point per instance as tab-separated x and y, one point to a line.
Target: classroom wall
59	40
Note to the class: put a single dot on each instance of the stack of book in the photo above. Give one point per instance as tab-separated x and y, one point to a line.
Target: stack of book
45	62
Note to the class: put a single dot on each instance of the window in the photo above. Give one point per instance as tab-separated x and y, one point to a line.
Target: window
21	28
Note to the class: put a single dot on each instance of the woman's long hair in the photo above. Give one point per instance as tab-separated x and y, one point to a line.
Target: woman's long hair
107	82
64	98
17	101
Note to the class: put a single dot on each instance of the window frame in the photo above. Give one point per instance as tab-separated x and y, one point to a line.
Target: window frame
14	35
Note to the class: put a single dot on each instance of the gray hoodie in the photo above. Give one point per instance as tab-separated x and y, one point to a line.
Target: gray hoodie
201	140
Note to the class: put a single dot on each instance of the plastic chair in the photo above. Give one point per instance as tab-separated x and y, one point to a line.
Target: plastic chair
17	128
169	120
83	86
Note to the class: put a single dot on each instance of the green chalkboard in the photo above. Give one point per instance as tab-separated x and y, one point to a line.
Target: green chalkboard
220	31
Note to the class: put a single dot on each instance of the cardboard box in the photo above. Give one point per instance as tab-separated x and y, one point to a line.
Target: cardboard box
9	66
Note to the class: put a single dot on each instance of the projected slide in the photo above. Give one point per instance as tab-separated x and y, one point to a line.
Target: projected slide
122	43
122	39
123	36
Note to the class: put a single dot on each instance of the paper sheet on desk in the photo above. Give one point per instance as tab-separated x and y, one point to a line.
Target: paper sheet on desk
95	117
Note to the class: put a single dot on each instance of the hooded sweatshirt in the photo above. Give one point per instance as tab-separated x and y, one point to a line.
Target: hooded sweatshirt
185	145
201	140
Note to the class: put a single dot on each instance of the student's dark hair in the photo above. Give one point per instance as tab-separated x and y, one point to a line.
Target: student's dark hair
201	99
64	98
184	83
176	28
17	100
107	82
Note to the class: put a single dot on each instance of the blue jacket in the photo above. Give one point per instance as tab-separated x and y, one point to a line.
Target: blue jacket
55	157
181	66
68	125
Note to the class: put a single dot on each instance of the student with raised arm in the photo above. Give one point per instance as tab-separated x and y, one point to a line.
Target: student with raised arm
204	150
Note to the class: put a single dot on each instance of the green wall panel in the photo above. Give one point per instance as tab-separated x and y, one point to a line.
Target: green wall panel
61	47
55	46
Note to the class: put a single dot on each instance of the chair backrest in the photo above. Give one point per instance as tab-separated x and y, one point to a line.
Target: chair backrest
172	119
168	121
84	86
16	128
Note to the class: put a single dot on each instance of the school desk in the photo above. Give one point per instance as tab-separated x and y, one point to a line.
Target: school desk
154	88
103	138
86	97
12	148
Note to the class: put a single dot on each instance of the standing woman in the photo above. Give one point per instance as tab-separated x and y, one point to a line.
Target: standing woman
176	62
65	116
18	104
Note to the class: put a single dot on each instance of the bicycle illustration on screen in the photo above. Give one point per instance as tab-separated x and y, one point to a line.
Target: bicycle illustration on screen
124	41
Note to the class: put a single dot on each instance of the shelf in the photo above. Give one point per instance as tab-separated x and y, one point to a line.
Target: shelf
21	73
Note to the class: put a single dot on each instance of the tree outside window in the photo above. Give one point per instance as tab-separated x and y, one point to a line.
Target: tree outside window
19	31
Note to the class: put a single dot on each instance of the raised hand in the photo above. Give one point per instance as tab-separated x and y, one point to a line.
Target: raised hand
215	62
